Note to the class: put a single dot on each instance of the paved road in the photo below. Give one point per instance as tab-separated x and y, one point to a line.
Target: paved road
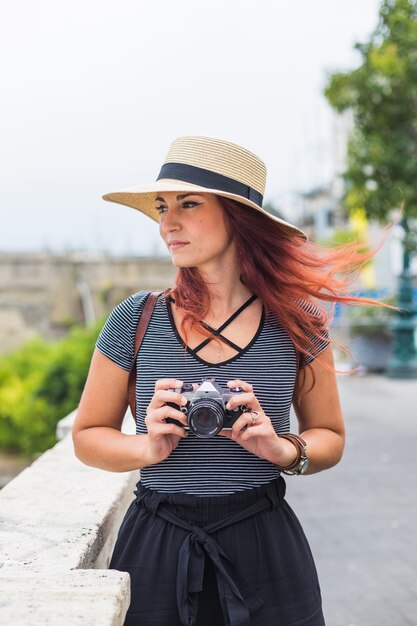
360	517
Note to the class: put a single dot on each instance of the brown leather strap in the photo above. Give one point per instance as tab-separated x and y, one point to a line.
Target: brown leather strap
140	333
299	443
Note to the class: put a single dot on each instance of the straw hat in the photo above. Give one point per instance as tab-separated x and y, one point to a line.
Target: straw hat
204	164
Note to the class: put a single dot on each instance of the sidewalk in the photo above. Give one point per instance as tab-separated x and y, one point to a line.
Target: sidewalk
360	517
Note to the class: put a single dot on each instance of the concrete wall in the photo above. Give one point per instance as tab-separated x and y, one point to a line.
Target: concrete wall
58	524
42	293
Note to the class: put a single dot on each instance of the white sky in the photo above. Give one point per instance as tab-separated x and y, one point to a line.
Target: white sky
92	92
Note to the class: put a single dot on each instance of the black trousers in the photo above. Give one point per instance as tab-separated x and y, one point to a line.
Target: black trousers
237	560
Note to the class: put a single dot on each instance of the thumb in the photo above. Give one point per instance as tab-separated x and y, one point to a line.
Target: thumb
225	433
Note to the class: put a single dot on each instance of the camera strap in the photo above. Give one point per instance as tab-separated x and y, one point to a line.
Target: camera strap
141	329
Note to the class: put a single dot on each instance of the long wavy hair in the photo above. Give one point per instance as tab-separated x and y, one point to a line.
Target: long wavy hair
287	273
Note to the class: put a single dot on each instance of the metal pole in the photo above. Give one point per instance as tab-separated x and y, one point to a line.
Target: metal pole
403	361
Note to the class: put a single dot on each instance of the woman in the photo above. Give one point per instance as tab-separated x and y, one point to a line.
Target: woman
210	538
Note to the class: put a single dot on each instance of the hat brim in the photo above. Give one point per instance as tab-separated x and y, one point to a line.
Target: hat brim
142	198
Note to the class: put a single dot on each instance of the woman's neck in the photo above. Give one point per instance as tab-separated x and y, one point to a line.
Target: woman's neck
227	292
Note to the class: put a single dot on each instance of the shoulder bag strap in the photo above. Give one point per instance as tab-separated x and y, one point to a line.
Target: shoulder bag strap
140	333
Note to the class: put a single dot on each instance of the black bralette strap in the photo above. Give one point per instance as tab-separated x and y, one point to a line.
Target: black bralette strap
218	331
225	339
232	317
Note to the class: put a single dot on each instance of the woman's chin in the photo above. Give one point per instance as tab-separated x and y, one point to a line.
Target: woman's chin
180	264
179	260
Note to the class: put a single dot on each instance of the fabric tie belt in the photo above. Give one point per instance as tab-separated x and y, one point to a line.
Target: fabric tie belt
237	598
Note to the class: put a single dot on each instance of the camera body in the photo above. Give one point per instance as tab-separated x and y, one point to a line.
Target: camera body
206	408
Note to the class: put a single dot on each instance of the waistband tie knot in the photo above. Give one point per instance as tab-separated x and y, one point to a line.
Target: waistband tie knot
237	598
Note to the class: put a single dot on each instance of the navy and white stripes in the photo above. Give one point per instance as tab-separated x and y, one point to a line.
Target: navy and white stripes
203	467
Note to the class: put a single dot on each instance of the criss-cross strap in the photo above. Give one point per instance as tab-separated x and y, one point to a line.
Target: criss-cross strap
217	331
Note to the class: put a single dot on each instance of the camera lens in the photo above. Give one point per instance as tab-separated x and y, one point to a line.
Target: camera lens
206	418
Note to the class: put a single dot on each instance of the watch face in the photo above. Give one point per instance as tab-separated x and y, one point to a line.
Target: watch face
304	466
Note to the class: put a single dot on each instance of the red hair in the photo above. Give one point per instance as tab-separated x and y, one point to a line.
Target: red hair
287	273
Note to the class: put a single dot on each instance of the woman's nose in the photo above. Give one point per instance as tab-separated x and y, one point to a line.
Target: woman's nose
171	221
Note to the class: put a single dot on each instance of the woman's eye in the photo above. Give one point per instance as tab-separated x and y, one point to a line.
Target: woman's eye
185	205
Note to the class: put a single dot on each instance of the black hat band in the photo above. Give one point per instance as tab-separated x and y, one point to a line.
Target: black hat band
211	180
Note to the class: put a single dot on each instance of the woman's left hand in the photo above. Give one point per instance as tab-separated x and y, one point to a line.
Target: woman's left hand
253	430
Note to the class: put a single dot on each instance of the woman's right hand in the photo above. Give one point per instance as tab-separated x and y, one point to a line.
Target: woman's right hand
163	437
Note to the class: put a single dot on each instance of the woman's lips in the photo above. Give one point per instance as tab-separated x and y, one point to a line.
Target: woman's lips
175	245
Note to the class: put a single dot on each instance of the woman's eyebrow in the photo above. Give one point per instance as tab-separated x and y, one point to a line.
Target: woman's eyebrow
180	197
184	195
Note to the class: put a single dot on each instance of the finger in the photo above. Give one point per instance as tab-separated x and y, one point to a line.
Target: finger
160	429
261	431
240	383
159	415
175	439
244	399
241	423
244	423
168	383
246	433
225	433
163	396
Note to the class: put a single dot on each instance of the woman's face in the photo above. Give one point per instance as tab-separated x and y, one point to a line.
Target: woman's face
193	228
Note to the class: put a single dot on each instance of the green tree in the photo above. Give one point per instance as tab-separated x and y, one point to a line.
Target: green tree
381	171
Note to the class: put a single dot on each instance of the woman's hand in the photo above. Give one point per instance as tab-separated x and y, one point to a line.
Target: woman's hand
256	433
163	438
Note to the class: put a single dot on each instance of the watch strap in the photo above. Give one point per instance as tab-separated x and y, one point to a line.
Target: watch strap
296	466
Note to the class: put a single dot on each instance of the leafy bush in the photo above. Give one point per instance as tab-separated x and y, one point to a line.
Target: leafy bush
40	383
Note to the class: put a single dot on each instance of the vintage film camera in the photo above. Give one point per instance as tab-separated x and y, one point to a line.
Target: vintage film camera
206	408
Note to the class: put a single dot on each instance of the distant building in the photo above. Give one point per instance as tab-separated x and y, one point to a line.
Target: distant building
322	212
45	294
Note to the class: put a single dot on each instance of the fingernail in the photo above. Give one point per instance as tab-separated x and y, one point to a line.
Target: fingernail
228	406
184	400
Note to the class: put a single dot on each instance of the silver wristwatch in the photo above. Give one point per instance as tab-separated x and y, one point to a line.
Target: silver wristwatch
302	466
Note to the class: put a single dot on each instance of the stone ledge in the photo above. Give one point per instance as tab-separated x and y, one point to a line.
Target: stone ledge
59	521
64	426
78	597
60	511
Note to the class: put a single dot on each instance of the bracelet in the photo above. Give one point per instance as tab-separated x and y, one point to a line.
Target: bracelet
301	460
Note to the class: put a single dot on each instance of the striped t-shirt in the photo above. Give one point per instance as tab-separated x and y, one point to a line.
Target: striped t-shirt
215	466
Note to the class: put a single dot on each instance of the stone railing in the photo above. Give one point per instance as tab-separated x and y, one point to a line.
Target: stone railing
58	524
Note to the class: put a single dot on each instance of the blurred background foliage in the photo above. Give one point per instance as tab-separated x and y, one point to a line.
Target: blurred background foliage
381	172
382	95
40	383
